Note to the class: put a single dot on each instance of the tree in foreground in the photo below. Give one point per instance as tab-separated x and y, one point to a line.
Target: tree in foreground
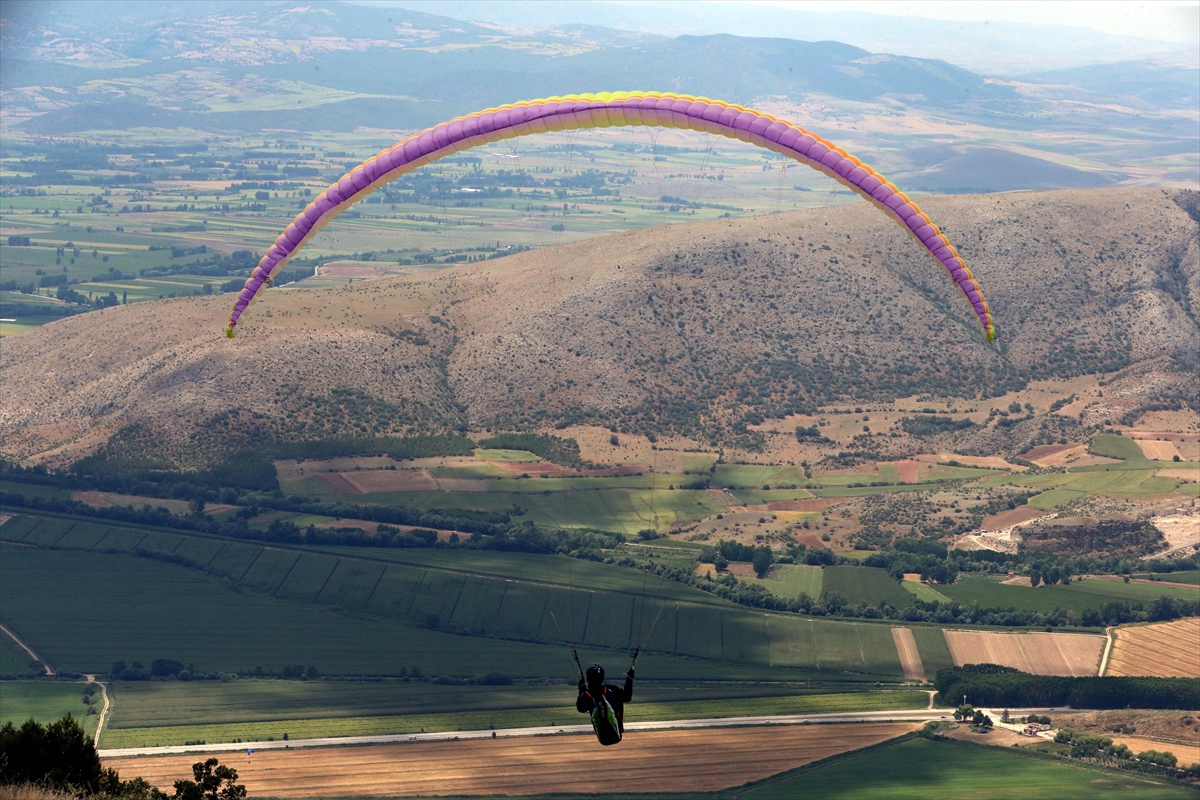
212	782
60	757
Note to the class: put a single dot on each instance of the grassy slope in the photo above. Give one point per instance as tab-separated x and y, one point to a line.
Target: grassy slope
45	702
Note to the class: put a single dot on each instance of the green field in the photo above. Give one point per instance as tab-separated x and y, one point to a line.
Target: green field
458	612
918	769
865	585
560	504
924	592
148	713
13	660
1075	596
508	456
1117	447
792	580
932	647
46	702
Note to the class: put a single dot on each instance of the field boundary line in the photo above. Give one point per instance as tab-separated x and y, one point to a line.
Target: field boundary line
64	534
45	664
286	575
1110	638
375	588
328	578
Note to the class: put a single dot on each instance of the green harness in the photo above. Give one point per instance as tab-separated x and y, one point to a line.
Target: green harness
604	720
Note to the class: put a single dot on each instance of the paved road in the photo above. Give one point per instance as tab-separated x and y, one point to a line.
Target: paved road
726	722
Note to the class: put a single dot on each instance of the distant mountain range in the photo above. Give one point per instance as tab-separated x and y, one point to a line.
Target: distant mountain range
990	47
72	67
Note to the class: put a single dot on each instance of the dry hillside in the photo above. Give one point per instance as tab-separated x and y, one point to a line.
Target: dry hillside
694	329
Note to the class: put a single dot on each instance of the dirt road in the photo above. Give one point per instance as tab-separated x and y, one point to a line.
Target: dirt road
103	708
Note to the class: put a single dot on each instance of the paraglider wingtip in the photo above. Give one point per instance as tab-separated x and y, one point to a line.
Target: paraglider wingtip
229	331
991	334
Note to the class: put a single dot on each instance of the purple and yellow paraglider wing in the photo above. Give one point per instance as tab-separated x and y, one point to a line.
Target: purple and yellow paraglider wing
582	111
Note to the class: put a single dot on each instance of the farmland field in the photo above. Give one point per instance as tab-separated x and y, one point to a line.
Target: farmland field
1187	576
1164	650
918	769
661	761
13	660
1075	596
254	710
865	585
924	592
792	580
935	653
46	702
432	595
910	658
1075	655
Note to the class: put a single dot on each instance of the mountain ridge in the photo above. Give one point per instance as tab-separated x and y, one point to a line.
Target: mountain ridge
696	330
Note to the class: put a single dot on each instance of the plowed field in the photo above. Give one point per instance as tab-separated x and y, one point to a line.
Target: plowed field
1074	655
655	761
910	659
1165	650
1011	517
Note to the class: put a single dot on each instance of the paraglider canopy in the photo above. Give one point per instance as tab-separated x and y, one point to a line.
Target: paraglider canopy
608	109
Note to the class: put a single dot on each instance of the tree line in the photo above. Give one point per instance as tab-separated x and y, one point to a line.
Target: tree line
995	685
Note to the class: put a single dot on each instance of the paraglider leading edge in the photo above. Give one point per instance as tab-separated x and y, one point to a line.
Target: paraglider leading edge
611	109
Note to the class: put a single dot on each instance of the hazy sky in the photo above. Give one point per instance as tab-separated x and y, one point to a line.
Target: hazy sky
1165	20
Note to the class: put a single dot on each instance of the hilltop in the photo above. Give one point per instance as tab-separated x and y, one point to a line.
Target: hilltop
697	330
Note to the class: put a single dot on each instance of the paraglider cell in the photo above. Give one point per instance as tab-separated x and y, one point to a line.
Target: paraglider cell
844	167
759	125
774	131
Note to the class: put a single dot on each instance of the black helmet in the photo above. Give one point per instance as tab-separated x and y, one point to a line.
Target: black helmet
595	675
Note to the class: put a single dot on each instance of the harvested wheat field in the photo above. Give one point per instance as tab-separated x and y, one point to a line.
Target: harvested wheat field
1164	650
659	761
910	658
1186	753
1068	654
1158	450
